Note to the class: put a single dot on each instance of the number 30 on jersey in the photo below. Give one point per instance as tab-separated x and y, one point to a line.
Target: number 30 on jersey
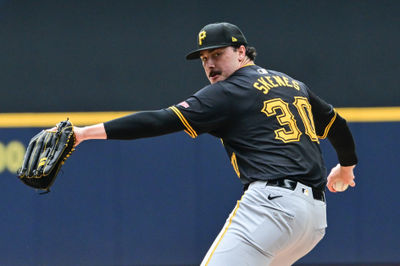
289	132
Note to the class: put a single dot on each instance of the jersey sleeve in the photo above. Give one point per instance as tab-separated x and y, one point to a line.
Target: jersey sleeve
324	114
143	125
328	123
205	112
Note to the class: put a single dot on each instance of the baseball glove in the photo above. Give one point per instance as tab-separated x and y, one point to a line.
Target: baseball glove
46	153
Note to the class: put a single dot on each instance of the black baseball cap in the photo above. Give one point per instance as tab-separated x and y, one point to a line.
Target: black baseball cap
217	35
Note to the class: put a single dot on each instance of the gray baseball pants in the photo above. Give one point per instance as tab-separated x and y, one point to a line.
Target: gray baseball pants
269	226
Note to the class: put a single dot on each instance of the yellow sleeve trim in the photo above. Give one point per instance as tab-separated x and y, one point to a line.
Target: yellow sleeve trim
328	127
235	164
189	130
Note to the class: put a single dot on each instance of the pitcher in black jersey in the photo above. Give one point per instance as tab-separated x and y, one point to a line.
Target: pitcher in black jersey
270	125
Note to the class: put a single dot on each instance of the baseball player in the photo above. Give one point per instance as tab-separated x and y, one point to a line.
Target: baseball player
270	125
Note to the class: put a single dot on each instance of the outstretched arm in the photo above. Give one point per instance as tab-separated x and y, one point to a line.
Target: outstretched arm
138	125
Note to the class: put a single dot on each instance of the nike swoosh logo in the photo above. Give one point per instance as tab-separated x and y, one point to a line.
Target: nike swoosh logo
273	197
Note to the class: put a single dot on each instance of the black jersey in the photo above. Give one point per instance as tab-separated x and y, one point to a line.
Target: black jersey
265	120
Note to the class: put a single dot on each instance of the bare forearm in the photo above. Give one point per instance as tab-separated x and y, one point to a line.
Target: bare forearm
90	132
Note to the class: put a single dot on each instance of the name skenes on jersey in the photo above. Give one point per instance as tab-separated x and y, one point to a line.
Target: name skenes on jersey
265	121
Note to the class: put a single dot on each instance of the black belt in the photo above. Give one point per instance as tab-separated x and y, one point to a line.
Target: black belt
291	184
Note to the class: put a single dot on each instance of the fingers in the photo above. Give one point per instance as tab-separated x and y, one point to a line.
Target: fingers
329	184
77	143
53	129
348	178
334	174
343	173
78	136
330	188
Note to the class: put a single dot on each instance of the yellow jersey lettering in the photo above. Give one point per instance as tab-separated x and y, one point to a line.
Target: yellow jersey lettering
296	85
262	88
265	83
272	82
287	82
279	81
289	131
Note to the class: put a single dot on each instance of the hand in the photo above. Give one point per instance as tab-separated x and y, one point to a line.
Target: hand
79	135
78	131
341	173
53	129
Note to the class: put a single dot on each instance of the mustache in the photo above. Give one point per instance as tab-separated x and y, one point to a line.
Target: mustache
214	73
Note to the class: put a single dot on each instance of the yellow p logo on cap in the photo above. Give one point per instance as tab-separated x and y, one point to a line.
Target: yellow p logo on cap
202	36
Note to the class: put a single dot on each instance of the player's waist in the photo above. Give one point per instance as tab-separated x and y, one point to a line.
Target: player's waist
288	184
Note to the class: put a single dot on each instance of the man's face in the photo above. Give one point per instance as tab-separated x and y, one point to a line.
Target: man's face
220	63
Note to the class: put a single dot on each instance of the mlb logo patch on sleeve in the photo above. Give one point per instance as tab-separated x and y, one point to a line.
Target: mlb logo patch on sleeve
184	104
